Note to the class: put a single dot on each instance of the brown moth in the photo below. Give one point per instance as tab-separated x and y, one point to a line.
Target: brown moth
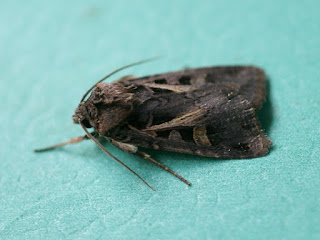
208	111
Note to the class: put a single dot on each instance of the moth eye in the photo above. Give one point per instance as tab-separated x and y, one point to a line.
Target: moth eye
184	80
160	81
86	123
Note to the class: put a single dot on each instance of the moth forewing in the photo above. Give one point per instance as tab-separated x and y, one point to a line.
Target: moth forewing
213	114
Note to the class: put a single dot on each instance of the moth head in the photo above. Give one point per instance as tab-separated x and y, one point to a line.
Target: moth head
85	113
108	106
106	94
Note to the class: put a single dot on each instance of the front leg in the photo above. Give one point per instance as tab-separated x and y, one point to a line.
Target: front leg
70	141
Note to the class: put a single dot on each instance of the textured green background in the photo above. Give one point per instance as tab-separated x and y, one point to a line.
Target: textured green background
52	51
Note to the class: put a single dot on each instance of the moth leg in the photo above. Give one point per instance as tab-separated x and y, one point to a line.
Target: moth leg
134	150
71	141
146	156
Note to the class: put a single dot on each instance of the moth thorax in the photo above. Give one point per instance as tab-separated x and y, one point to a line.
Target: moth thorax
114	104
112	93
110	117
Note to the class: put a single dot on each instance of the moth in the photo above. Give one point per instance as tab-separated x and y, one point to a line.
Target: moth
207	111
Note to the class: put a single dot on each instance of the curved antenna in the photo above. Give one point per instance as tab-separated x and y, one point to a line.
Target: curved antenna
115	71
106	151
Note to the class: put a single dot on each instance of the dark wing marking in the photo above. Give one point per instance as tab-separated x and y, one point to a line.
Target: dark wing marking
250	80
224	126
234	139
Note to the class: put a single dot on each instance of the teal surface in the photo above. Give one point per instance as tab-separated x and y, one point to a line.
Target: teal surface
52	51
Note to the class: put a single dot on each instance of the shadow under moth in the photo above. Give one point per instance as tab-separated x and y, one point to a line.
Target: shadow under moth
208	111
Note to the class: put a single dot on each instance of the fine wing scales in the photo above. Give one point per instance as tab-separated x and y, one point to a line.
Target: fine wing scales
213	114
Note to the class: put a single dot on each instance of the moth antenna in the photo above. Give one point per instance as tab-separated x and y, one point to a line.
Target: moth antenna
107	152
71	141
118	70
